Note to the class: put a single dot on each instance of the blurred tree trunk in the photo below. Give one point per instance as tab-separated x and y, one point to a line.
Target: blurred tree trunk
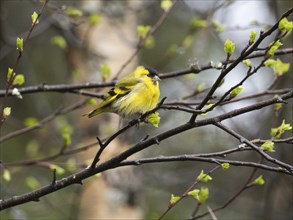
113	194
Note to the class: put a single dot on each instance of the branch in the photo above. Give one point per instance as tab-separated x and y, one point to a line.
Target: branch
245	52
42	122
115	161
195	157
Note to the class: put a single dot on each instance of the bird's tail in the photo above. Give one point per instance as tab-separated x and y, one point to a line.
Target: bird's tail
94	112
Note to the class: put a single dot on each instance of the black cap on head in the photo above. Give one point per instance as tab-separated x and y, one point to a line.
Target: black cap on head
152	72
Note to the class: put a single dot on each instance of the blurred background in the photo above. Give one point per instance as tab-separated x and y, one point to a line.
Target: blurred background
74	42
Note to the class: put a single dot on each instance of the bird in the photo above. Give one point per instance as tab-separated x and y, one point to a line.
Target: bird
132	96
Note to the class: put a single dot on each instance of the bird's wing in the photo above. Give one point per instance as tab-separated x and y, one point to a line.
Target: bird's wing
114	94
128	81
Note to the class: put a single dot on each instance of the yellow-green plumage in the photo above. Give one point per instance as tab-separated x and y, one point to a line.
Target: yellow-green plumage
133	95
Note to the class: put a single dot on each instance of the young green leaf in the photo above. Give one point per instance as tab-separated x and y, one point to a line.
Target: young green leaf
259	181
285	26
32	182
252	37
6	112
30	121
73	12
92	102
197	22
281	68
247	63
59	41
206	107
277	132
94	19
6	175
220	28
204	177
268	146
59	170
10	73
200	87
203	195
225	166
187	41
229	47
270	63
194	193
173	199
66	139
143	30
105	71
235	92
19	44
35	18
166	4
154	119
273	47
150	42
19	79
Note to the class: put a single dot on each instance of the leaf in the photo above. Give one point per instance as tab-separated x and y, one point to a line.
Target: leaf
203	195
35	18
59	170
270	63
229	47
32	148
247	63
143	30
278	66
6	175
105	71
194	193
172	50
268	146
92	101
277	132
166	4
187	42
19	79
225	166
204	177
6	112
218	26
252	37
10	73
173	199
206	107
30	121
94	19
19	44
150	42
73	12
32	182
59	41
154	119
259	181
235	92
201	87
197	22
281	68
285	26
273	47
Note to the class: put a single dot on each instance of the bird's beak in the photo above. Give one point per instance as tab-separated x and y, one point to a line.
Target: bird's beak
156	78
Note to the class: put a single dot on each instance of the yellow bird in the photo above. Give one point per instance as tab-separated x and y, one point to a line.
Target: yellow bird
133	95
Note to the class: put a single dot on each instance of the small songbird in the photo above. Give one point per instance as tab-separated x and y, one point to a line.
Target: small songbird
133	95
